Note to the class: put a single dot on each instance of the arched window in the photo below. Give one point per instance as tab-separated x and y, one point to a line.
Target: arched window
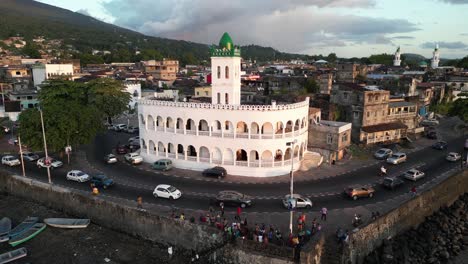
219	98
226	98
226	73
219	72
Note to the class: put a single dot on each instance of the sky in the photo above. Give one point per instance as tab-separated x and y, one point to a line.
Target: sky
349	28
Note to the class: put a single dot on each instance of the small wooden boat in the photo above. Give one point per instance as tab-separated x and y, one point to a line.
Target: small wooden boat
23	227
13	255
32	232
5	228
67	222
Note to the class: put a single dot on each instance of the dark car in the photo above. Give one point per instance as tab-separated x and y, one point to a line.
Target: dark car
121	149
132	130
392	182
233	198
441	145
133	146
432	135
101	181
217	171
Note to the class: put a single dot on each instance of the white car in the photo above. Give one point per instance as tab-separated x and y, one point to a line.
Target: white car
134	158
414	174
53	163
10	161
30	156
119	127
397	158
301	201
453	156
110	158
167	191
77	175
134	139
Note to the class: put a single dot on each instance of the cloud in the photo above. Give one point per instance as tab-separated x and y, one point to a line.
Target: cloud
455	2
464	34
83	12
288	25
403	37
445	45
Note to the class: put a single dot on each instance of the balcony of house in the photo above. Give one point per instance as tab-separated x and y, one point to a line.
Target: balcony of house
388	132
401	110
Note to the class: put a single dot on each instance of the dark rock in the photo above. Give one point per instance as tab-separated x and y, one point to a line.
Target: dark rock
445	255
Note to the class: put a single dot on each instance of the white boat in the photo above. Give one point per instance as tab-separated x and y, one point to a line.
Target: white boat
13	255
5	228
67	222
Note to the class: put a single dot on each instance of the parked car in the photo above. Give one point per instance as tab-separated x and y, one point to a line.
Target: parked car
414	175
52	163
392	182
453	156
30	156
217	171
440	145
77	175
10	161
101	181
432	135
167	191
233	198
119	127
358	192
121	149
134	139
162	164
132	130
430	122
301	201
397	158
134	158
133	146
383	153
110	158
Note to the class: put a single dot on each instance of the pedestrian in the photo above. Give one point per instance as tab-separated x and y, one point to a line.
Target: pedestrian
182	216
324	214
211	209
239	211
95	191
139	202
221	205
413	191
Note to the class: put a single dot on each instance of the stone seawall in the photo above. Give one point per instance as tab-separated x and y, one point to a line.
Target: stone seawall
116	216
408	215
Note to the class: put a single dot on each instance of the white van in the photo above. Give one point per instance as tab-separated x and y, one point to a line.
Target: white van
119	127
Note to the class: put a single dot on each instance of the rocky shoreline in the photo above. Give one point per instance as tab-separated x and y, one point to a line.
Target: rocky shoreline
438	240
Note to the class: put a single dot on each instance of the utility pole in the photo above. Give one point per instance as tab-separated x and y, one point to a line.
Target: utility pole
21	155
291	186
46	160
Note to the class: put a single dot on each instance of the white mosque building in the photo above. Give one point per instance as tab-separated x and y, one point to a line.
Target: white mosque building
435	57
397	58
247	140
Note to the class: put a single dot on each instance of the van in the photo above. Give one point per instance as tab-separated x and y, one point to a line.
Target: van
162	164
430	122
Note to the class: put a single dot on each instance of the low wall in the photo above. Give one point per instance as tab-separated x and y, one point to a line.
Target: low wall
408	215
126	219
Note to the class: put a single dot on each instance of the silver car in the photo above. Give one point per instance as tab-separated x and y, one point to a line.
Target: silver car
414	174
397	158
301	201
383	153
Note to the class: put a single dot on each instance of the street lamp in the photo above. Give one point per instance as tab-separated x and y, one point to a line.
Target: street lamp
291	187
46	160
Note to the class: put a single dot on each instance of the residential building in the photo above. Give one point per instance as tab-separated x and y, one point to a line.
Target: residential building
42	72
203	91
366	107
404	112
347	72
165	70
329	138
247	140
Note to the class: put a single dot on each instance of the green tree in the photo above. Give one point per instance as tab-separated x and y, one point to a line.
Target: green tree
109	96
31	50
68	118
463	63
311	86
151	54
386	59
332	57
460	108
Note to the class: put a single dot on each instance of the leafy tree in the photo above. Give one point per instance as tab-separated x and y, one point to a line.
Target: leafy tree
332	57
87	58
109	96
151	54
361	78
30	49
460	108
386	59
311	86
463	63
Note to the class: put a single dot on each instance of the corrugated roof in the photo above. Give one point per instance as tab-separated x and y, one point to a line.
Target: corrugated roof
383	127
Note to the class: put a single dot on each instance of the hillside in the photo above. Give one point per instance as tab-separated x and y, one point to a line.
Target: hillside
28	18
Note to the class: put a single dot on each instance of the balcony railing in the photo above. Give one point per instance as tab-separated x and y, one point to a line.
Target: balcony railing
242	135
238	135
191	132
203	133
192	158
241	163
201	159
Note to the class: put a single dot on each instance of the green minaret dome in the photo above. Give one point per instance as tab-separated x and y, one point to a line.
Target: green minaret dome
226	42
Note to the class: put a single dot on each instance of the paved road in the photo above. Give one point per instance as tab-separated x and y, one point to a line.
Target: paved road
131	181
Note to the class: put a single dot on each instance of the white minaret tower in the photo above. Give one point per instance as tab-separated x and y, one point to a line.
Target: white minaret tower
225	72
396	59
435	57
